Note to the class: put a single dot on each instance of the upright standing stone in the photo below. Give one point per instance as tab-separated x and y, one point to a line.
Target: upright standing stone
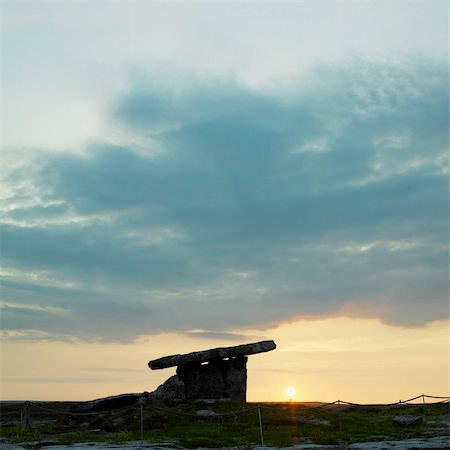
236	379
202	380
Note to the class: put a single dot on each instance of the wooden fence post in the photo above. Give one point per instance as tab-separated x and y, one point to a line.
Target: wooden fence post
424	409
340	416
260	425
26	413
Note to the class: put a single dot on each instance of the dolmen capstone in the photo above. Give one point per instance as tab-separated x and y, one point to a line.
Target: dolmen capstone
219	373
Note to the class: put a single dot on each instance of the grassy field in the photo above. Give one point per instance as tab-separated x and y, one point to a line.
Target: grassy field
283	424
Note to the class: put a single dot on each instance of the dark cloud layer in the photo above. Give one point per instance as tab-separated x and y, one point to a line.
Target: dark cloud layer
245	208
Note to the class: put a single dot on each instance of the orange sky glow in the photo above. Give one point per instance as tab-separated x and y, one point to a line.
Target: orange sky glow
357	360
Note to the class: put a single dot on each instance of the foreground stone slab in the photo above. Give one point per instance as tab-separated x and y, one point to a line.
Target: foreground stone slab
436	443
209	355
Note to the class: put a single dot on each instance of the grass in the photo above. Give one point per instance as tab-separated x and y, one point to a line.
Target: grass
282	426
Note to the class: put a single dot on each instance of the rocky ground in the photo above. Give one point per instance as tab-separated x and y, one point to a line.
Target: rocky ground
211	425
437	443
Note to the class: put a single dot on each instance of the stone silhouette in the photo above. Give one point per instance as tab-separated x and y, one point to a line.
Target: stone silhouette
219	373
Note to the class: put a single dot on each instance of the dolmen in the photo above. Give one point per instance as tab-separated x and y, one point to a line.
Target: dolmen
215	374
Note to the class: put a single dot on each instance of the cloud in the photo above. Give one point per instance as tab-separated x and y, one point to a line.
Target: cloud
239	208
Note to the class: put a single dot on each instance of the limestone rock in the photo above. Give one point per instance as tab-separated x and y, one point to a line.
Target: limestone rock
219	373
235	379
107	403
205	402
211	401
171	392
314	421
118	424
202	380
217	379
437	443
407	421
206	413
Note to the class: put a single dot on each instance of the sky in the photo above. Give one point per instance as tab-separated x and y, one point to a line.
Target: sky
184	175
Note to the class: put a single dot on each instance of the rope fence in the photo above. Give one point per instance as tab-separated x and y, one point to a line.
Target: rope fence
98	413
27	406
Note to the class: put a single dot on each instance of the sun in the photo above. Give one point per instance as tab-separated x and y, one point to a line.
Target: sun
290	392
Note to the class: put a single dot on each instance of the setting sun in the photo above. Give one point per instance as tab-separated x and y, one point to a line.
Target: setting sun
290	391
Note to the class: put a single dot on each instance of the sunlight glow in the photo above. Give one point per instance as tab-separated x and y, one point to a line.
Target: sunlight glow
290	391
329	358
